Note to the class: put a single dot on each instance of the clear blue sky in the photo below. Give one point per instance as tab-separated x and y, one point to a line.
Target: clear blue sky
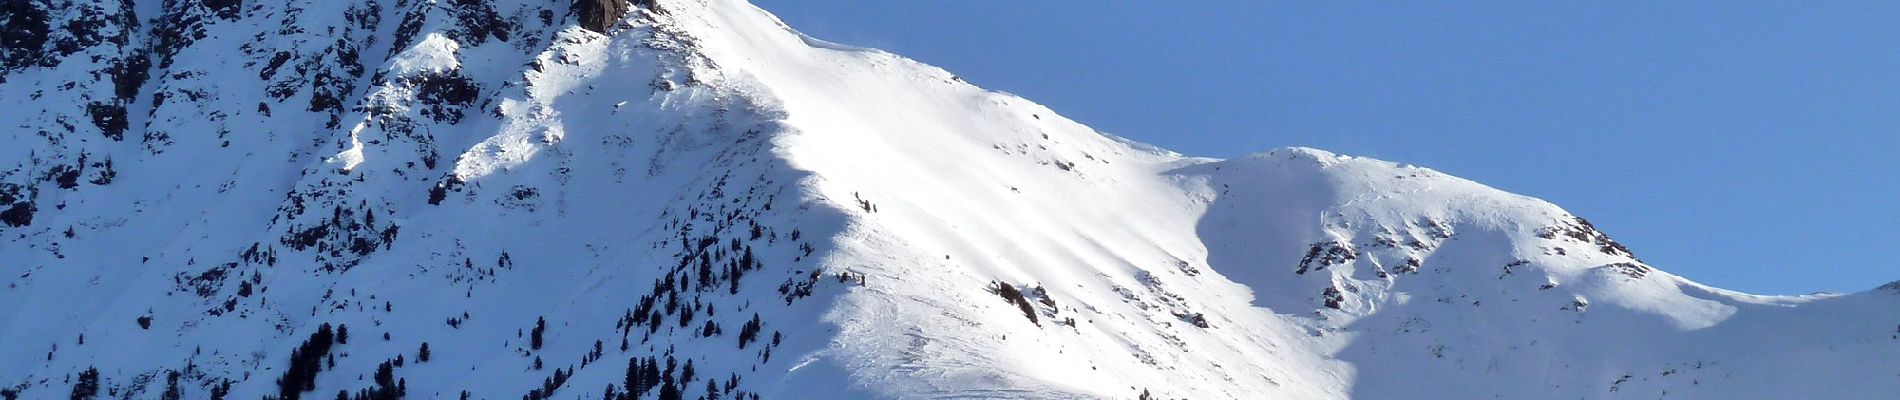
1749	145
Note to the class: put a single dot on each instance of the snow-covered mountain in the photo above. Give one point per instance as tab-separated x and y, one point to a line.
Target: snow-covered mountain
688	199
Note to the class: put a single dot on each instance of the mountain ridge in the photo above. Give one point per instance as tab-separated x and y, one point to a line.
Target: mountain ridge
793	218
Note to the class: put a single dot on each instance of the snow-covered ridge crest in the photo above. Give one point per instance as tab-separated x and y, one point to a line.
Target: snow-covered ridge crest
559	211
1388	224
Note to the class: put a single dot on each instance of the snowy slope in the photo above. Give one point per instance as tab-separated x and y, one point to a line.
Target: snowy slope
194	189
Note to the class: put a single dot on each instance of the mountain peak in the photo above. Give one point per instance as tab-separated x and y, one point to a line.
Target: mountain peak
586	201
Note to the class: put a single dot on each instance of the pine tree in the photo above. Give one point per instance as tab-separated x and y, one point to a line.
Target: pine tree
705	273
88	385
172	391
422	355
669	392
385	375
650	374
223	388
750	331
534	337
635	380
305	362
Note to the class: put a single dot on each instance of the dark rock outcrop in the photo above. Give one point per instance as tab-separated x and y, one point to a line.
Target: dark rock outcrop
598	15
24	31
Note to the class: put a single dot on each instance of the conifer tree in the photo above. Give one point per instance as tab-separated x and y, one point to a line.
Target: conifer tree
172	391
634	380
534	337
87	387
669	392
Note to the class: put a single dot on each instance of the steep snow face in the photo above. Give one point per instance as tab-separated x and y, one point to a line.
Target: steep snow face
196	189
1295	273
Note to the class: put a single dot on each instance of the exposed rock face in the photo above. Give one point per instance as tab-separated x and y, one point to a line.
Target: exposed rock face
598	15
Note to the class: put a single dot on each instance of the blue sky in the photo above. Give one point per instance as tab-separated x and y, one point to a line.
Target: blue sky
1748	145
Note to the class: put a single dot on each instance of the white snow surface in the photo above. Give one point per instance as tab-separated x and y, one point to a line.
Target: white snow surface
449	172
